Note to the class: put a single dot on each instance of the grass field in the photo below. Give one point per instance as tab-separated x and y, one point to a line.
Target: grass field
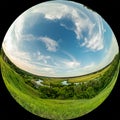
28	97
88	77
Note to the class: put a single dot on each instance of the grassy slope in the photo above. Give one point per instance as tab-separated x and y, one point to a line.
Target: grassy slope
52	109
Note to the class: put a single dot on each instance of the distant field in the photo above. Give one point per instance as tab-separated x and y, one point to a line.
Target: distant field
48	81
91	76
50	108
77	79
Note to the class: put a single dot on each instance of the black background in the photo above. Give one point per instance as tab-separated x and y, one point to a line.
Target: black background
10	109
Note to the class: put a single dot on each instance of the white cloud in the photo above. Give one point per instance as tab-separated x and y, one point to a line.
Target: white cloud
18	27
60	67
69	55
90	66
17	54
65	26
50	10
24	22
48	69
95	40
34	69
9	42
51	44
81	20
40	57
35	63
71	64
80	23
28	37
52	66
52	15
109	53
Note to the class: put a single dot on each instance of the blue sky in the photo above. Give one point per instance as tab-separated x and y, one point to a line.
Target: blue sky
60	39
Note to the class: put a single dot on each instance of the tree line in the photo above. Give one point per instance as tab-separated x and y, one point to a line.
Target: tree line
84	90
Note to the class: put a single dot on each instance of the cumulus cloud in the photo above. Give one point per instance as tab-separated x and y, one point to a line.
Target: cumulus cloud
52	15
95	39
41	64
50	11
51	44
40	57
82	21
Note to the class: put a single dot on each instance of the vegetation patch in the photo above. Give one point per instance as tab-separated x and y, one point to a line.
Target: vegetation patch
76	99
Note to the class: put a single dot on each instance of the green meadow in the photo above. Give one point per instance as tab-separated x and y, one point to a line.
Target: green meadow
58	109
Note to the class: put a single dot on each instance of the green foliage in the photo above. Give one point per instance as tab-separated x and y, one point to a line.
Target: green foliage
84	90
29	97
53	89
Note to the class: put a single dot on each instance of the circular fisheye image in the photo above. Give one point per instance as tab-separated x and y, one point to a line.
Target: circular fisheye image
59	60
